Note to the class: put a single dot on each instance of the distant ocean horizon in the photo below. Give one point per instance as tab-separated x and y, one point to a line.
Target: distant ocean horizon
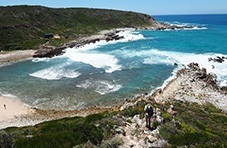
107	73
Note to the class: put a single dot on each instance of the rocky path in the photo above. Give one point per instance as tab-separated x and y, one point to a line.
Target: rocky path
137	135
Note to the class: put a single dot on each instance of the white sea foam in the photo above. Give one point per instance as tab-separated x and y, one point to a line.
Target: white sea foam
220	69
196	28
106	87
36	60
101	60
98	60
55	73
7	95
155	56
40	101
128	36
186	26
101	87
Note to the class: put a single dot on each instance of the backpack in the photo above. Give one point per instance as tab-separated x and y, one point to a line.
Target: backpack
149	110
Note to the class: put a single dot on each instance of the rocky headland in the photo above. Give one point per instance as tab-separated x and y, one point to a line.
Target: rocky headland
194	84
51	51
46	50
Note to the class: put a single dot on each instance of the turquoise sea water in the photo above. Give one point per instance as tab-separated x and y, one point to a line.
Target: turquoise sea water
108	73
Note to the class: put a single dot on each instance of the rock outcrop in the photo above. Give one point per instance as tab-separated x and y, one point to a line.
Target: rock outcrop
194	84
51	51
218	59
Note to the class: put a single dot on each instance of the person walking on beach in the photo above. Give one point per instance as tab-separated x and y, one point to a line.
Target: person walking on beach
4	106
148	110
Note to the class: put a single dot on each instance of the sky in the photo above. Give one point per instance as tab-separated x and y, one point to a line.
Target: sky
152	7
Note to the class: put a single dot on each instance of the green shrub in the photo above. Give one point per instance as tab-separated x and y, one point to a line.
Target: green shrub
131	111
66	132
64	136
195	125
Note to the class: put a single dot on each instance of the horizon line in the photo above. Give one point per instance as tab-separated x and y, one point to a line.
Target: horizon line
209	13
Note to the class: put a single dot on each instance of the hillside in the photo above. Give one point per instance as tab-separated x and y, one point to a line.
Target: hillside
24	27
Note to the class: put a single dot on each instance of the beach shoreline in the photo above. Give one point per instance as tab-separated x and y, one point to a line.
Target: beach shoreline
14	113
10	109
15	56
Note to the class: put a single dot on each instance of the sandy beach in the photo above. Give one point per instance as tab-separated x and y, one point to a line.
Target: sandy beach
15	56
18	114
10	109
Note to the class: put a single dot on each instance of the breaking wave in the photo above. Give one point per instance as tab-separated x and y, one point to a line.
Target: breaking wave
100	60
101	87
55	72
154	56
186	26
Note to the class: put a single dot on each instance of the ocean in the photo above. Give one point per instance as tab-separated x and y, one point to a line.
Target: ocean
108	73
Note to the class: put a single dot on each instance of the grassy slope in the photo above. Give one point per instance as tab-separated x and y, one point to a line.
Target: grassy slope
23	27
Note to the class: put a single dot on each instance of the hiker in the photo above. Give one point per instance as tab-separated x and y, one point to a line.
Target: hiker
148	110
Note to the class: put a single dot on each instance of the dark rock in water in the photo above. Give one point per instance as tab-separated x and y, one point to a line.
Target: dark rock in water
217	59
48	51
210	59
113	36
108	39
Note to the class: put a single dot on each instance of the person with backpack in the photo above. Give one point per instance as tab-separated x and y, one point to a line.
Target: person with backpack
148	110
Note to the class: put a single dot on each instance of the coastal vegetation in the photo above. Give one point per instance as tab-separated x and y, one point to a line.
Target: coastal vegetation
25	27
198	125
194	125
